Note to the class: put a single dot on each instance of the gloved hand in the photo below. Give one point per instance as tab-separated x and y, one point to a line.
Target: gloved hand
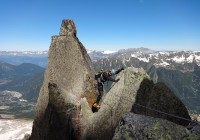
119	70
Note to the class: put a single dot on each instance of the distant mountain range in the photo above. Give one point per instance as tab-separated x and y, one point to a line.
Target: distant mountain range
23	53
16	57
168	59
179	70
25	78
180	60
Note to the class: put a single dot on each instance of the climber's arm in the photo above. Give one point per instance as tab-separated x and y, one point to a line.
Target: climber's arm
119	70
110	78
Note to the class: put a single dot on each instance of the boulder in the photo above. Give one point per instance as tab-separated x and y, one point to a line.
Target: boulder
158	101
195	132
26	137
139	127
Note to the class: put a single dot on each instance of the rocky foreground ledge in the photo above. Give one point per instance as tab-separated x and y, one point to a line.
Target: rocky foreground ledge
133	126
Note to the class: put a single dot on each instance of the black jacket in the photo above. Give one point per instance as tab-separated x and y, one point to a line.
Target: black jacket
105	77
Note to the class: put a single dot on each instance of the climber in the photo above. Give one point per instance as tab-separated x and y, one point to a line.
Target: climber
101	77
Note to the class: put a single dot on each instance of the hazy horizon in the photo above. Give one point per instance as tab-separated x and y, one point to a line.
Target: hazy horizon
101	50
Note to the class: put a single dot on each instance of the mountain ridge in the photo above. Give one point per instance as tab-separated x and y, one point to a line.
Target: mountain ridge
167	59
19	78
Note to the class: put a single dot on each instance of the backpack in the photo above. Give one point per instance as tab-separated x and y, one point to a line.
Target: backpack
98	75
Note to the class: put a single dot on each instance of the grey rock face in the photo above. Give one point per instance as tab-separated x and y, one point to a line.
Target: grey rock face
26	137
140	127
195	132
70	68
158	101
57	121
67	28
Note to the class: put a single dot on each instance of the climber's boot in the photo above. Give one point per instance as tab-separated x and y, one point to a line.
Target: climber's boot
96	105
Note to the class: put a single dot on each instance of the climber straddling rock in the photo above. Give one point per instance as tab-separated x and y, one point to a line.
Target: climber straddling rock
101	77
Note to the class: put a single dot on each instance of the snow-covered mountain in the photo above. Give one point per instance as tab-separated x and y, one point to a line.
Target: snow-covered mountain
23	53
180	60
172	60
167	59
95	55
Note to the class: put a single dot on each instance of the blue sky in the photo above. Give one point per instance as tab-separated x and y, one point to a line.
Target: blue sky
102	24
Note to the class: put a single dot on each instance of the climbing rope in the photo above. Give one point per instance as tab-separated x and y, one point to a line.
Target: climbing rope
161	112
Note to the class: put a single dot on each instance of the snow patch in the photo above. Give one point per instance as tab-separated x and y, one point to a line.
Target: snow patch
178	59
140	58
23	100
23	53
90	51
162	53
190	58
108	52
134	55
11	93
197	57
143	59
15	129
164	63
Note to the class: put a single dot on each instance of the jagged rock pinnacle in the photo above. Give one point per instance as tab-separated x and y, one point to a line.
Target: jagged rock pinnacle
69	76
67	28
